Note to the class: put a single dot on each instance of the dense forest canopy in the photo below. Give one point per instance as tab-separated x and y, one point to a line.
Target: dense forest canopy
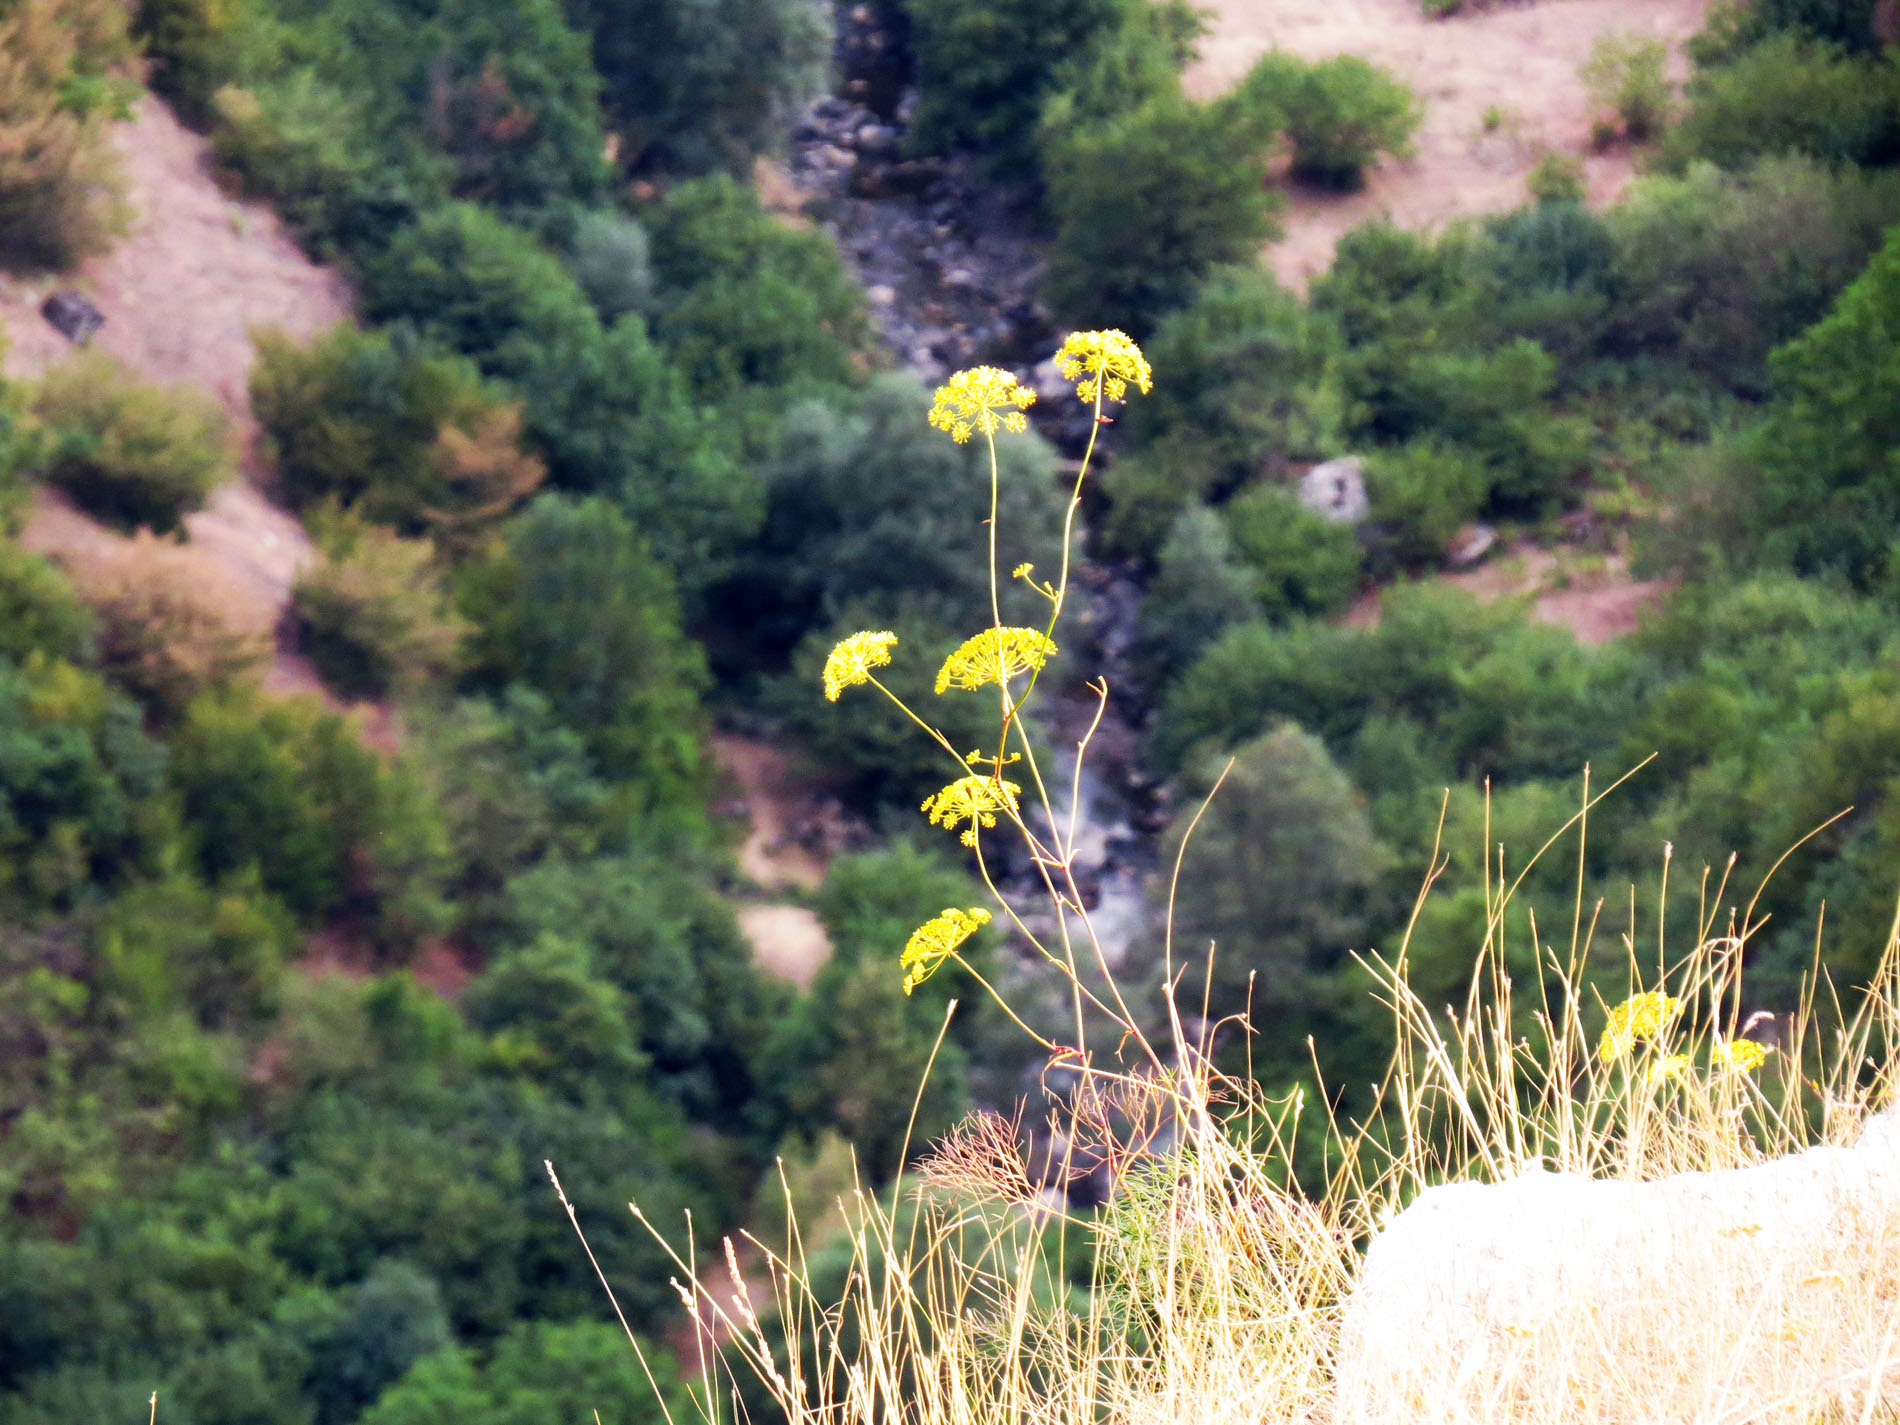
612	454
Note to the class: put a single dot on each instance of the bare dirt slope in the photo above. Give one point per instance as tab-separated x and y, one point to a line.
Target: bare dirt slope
180	293
1594	597
1517	59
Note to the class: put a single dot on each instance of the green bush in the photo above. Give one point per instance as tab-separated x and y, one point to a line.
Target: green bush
1558	178
1339	114
985	68
610	256
1422	494
1787	95
692	87
1194	174
1625	75
372	614
129	453
39	610
297	141
386	429
573	604
1301	562
1199	588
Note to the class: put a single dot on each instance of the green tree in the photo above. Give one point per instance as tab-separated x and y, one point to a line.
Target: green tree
575	606
1787	95
391	1319
1192	172
696	87
1200	586
1275	878
1339	114
1301	561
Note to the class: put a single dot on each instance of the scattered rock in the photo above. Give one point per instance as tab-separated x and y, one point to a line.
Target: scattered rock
880	295
1336	490
72	316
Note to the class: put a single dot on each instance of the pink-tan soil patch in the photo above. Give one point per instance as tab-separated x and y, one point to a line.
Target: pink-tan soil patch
181	293
1516	63
1593	596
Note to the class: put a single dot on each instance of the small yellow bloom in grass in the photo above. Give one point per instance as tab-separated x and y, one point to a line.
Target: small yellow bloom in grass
1639	1017
980	399
933	942
1740	1056
994	656
1110	355
1670	1067
976	800
851	662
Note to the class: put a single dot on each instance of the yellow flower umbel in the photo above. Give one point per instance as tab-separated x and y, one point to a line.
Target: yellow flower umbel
984	398
851	662
1737	1056
934	941
977	800
1110	356
994	656
1639	1017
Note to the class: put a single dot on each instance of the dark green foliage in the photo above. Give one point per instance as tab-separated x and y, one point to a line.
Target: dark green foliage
852	1052
1718	270
1199	587
374	423
873	751
299	142
1787	95
1191	171
693	87
178	945
984	68
1823	479
647	929
610	257
1276	876
870	506
1422	494
1249	394
390	1320
289	790
538	1373
574	605
39	612
1338	114
1301	562
75	775
750	310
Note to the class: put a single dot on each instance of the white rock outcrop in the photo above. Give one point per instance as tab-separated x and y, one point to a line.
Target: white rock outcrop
1763	1292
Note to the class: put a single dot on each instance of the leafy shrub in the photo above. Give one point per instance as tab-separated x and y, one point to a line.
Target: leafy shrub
385	429
693	87
40	612
1624	75
1558	178
1718	269
1422	494
1199	588
286	789
1302	562
1339	114
164	633
59	182
372	614
609	255
1787	95
984	68
866	504
574	605
1192	170
299	142
129	453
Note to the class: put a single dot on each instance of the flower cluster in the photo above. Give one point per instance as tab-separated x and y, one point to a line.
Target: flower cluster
934	941
1639	1017
1110	357
851	662
1738	1056
994	656
984	398
977	800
